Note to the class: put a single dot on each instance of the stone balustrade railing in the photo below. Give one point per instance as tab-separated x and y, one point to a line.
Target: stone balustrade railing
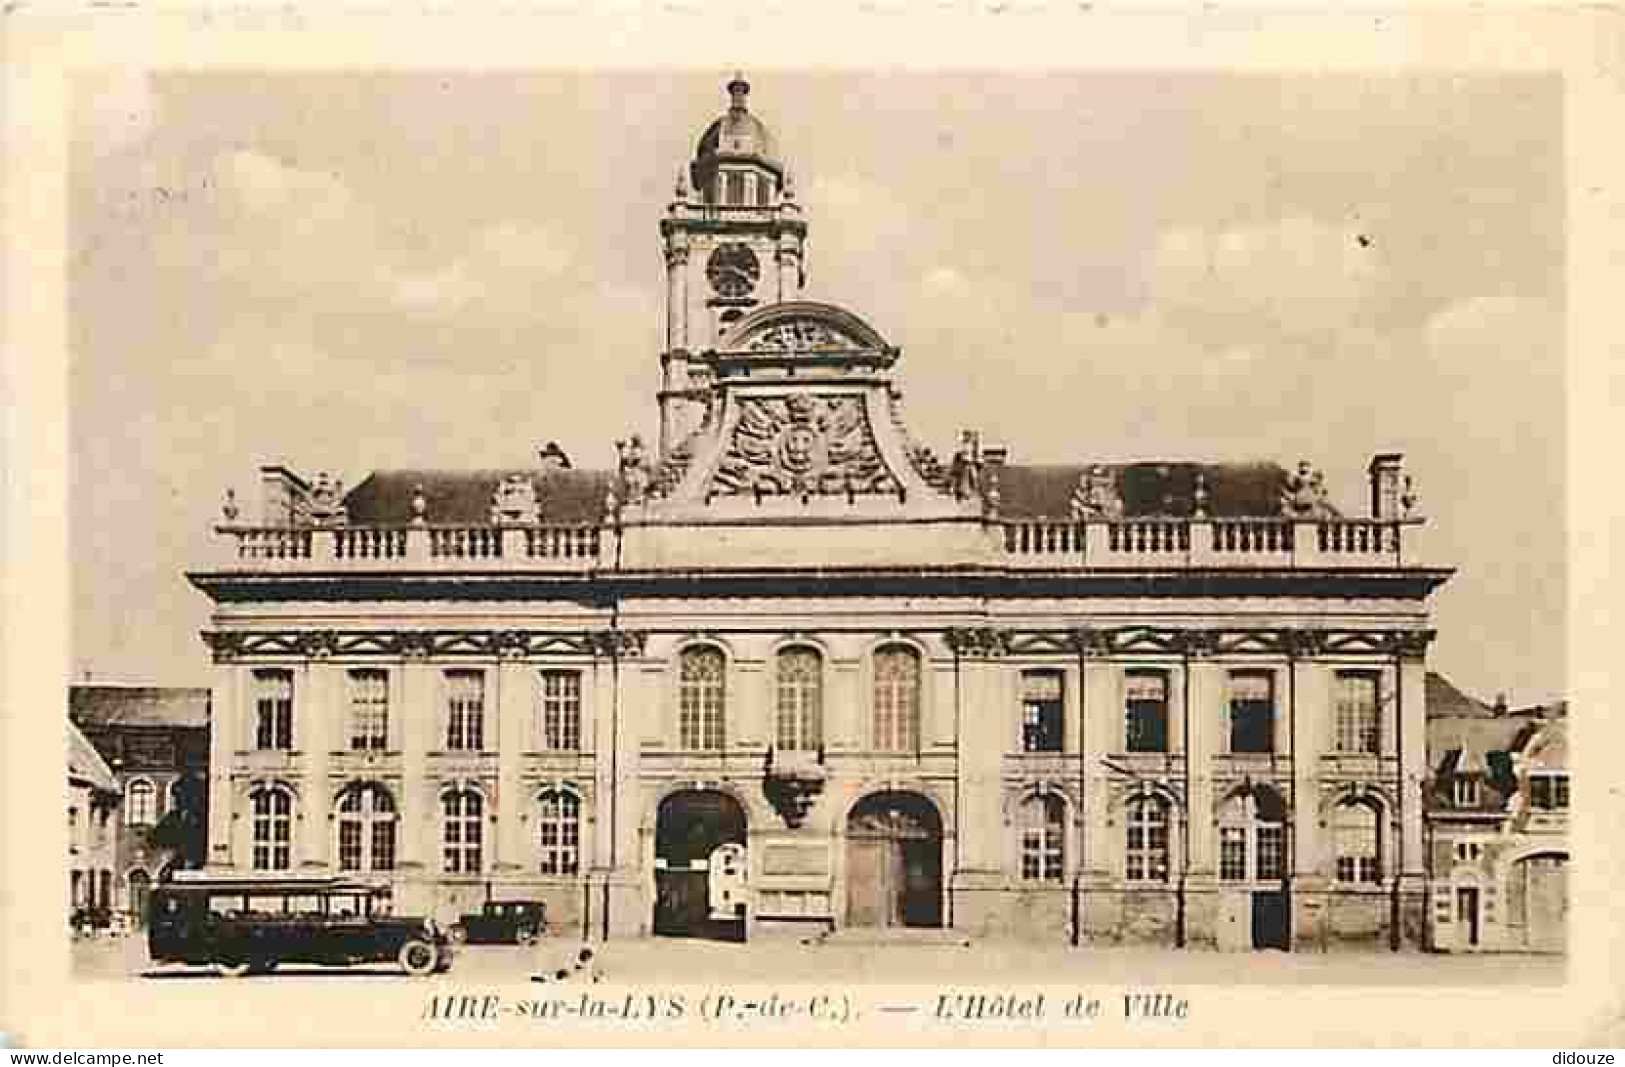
1034	544
420	546
1044	543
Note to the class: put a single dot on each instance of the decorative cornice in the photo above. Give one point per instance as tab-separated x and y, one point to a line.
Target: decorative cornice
1413	644
977	641
618	644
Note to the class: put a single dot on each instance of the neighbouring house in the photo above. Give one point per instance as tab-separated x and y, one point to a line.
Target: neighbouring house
93	800
1498	806
155	740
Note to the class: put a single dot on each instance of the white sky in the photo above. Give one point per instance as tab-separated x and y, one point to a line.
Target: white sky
354	271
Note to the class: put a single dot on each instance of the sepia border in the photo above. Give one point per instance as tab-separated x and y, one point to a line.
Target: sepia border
40	48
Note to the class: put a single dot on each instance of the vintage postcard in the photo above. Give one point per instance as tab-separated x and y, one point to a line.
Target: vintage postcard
915	527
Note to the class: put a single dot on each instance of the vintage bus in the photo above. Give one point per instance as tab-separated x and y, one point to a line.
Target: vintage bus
251	925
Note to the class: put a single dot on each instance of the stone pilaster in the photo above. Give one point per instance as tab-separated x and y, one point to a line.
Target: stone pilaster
225	738
1310	718
418	721
317	706
983	713
516	700
1412	753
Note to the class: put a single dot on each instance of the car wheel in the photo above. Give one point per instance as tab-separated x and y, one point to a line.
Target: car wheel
526	935
234	968
418	958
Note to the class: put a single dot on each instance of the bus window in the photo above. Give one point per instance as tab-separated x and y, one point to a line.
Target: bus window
228	906
304	904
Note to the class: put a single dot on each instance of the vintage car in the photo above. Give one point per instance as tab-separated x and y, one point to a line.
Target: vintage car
249	926
505	922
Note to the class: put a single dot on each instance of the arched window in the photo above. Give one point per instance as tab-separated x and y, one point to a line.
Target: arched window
462	832
1252	838
1146	855
272	808
366	828
897	699
800	720
1356	833
1043	833
701	699
140	803
559	828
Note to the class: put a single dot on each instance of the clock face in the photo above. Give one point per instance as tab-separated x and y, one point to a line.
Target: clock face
733	270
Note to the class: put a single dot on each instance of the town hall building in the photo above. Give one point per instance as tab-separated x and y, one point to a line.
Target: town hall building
784	669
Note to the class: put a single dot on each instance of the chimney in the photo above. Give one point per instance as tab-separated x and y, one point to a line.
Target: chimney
284	497
1387	476
550	457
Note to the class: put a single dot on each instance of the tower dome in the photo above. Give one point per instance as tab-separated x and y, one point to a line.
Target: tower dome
737	141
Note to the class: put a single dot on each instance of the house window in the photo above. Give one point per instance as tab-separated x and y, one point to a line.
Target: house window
272	829
1468	852
1233	853
559	826
462	832
1464	792
465	711
366	829
1252	712
1043	822
273	709
764	190
1356	835
897	700
800	712
369	710
1146	858
736	188
1357	706
701	699
1252	846
561	711
1041	711
1549	792
1146	711
141	803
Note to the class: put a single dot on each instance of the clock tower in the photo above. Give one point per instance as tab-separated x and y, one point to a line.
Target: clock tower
734	240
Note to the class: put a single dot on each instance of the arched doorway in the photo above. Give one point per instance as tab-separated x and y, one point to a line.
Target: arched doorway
140	891
1254	909
1537	902
893	862
694	829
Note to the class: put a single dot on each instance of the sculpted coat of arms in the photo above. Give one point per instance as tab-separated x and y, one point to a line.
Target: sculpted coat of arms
803	444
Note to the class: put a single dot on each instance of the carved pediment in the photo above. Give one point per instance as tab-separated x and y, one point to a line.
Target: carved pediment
802	444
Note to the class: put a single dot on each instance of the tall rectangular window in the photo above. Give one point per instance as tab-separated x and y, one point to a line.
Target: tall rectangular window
1145	726
561	711
1252	711
1357	713
1271	851
1233	853
369	710
701	698
1145	859
1042	711
465	711
736	188
273	709
764	190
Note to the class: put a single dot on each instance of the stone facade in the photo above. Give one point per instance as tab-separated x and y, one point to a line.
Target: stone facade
789	671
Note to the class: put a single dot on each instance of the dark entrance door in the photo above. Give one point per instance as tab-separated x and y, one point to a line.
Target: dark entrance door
690	826
1269	919
1467	911
894	862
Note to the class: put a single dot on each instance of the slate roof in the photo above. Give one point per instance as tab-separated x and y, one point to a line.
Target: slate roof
1235	490
133	705
85	764
385	497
